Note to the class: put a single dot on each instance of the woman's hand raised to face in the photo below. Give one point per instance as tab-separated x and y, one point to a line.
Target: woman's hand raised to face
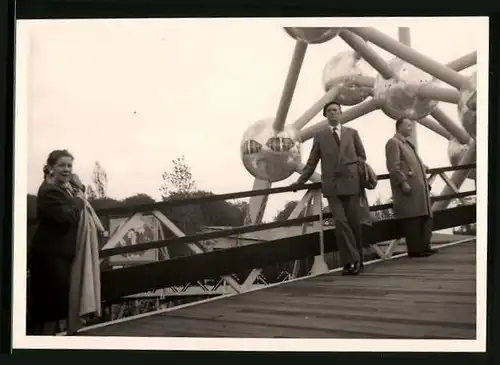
75	180
80	195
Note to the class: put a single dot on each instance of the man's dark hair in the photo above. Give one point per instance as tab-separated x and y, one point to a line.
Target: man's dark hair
400	121
333	102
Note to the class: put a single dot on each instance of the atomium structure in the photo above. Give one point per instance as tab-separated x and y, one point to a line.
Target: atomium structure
410	85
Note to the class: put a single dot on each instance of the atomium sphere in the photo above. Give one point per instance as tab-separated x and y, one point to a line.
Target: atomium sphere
270	155
467	105
456	151
341	70
399	94
312	35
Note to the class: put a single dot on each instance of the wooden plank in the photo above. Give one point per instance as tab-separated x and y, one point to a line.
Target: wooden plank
344	328
186	327
373	302
410	313
178	271
389	285
350	328
335	319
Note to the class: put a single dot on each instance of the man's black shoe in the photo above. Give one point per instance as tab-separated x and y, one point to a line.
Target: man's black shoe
432	251
346	269
420	254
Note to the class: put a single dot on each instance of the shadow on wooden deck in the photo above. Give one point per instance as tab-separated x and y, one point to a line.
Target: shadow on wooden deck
425	298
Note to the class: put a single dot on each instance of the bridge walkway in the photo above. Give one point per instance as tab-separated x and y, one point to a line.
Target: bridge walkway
425	298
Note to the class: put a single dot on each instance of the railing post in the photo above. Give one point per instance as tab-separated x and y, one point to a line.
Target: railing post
319	265
321	232
302	206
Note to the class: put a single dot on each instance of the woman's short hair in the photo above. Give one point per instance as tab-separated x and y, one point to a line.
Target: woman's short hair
54	156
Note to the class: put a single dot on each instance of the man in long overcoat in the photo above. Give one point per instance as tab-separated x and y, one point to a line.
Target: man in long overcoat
410	190
340	150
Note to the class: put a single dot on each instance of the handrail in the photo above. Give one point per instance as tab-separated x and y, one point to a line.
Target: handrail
247	229
148	207
142	208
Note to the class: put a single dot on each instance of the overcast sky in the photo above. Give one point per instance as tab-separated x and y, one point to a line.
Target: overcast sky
136	94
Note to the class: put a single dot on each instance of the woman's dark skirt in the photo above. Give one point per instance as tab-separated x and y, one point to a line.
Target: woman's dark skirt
48	288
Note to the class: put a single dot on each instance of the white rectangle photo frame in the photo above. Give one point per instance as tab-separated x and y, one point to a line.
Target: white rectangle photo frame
24	151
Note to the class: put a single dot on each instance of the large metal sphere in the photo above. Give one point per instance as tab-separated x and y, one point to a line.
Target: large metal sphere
312	35
399	94
270	155
342	70
467	105
455	154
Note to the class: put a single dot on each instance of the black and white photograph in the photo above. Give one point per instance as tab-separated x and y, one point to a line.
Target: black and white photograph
263	184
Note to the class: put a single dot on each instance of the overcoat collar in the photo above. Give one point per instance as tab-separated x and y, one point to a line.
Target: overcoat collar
404	139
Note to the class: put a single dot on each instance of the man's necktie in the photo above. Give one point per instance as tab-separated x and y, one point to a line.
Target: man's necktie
336	136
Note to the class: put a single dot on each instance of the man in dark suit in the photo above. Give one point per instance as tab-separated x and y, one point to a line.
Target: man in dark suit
340	150
410	190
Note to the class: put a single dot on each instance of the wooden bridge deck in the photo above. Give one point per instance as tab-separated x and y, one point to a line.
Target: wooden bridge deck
421	298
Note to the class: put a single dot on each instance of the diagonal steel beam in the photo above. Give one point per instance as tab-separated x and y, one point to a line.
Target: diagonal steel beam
364	50
411	56
290	84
